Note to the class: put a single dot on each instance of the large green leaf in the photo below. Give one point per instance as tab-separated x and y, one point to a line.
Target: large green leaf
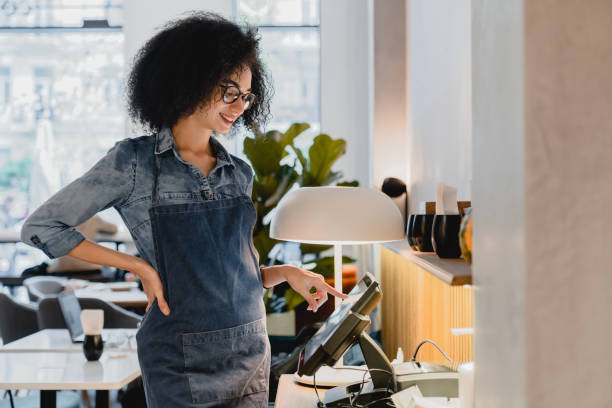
265	155
272	135
331	177
294	299
264	244
308	180
313	248
301	158
325	266
353	183
269	183
294	131
323	154
286	179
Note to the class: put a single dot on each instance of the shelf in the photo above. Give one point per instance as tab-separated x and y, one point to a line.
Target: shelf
450	271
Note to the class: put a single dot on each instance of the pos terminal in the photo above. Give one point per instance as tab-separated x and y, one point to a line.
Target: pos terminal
342	330
345	328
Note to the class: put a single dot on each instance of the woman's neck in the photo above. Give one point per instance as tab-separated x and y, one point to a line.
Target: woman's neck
189	137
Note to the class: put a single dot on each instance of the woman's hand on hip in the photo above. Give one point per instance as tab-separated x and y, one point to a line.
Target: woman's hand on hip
92	252
152	286
302	280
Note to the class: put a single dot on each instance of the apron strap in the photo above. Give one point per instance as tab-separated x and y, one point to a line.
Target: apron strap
155	192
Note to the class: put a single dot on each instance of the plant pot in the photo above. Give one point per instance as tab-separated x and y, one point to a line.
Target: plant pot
445	235
421	232
305	317
409	236
281	324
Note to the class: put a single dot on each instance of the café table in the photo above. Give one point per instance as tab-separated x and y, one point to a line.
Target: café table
53	371
58	340
9	236
291	394
132	298
122	236
48	361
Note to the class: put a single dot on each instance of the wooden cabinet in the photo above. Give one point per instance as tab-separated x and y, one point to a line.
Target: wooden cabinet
417	305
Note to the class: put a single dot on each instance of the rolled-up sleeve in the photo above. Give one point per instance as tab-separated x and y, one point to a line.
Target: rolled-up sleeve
108	183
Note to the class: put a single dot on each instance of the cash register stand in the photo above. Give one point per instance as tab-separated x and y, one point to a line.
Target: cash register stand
291	394
382	384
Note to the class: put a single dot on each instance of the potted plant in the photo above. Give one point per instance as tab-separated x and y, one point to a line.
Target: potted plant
277	170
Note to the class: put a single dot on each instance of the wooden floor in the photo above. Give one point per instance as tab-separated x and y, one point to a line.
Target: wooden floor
417	306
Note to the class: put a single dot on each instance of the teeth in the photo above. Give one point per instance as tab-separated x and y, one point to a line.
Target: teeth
227	118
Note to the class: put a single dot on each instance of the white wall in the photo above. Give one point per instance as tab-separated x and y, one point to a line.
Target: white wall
347	88
499	205
440	133
542	190
389	146
346	83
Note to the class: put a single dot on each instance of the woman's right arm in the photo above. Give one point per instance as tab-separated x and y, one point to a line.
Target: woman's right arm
108	183
98	254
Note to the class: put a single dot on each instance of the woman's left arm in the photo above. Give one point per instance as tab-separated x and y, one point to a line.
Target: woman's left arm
301	280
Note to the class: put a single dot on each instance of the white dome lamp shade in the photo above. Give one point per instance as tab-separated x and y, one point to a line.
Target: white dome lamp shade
337	215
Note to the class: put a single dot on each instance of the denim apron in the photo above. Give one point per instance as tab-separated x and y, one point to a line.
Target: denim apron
213	349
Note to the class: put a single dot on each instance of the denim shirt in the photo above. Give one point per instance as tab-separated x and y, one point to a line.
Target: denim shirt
123	179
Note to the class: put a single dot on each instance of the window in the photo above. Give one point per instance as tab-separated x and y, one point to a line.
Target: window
61	72
290	47
5	87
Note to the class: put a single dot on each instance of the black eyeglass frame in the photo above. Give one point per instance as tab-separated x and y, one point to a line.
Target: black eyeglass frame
244	95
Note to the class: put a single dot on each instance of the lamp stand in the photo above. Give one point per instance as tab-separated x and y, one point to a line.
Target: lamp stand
338	286
337	272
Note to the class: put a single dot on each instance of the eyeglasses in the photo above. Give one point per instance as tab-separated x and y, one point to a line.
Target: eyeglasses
231	93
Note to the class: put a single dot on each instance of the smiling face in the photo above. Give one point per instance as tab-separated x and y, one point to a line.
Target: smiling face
219	116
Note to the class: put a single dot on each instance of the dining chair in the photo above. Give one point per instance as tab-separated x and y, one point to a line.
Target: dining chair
17	319
115	317
40	286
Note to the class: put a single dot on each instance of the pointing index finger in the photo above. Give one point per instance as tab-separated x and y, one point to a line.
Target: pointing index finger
333	291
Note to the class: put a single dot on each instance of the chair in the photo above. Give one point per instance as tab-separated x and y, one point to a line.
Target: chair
17	320
40	286
50	315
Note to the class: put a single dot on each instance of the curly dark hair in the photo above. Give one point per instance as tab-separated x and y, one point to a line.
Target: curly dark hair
178	70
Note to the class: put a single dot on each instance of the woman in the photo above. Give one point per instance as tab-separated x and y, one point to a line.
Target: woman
186	202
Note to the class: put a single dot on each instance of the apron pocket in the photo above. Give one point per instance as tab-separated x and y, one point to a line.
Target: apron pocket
227	364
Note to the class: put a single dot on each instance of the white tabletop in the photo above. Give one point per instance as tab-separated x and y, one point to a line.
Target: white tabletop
130	298
290	394
9	236
122	236
58	340
67	371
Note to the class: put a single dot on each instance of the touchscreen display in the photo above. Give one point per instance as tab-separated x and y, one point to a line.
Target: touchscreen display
332	322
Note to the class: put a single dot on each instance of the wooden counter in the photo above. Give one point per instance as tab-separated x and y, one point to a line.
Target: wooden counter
425	297
450	271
